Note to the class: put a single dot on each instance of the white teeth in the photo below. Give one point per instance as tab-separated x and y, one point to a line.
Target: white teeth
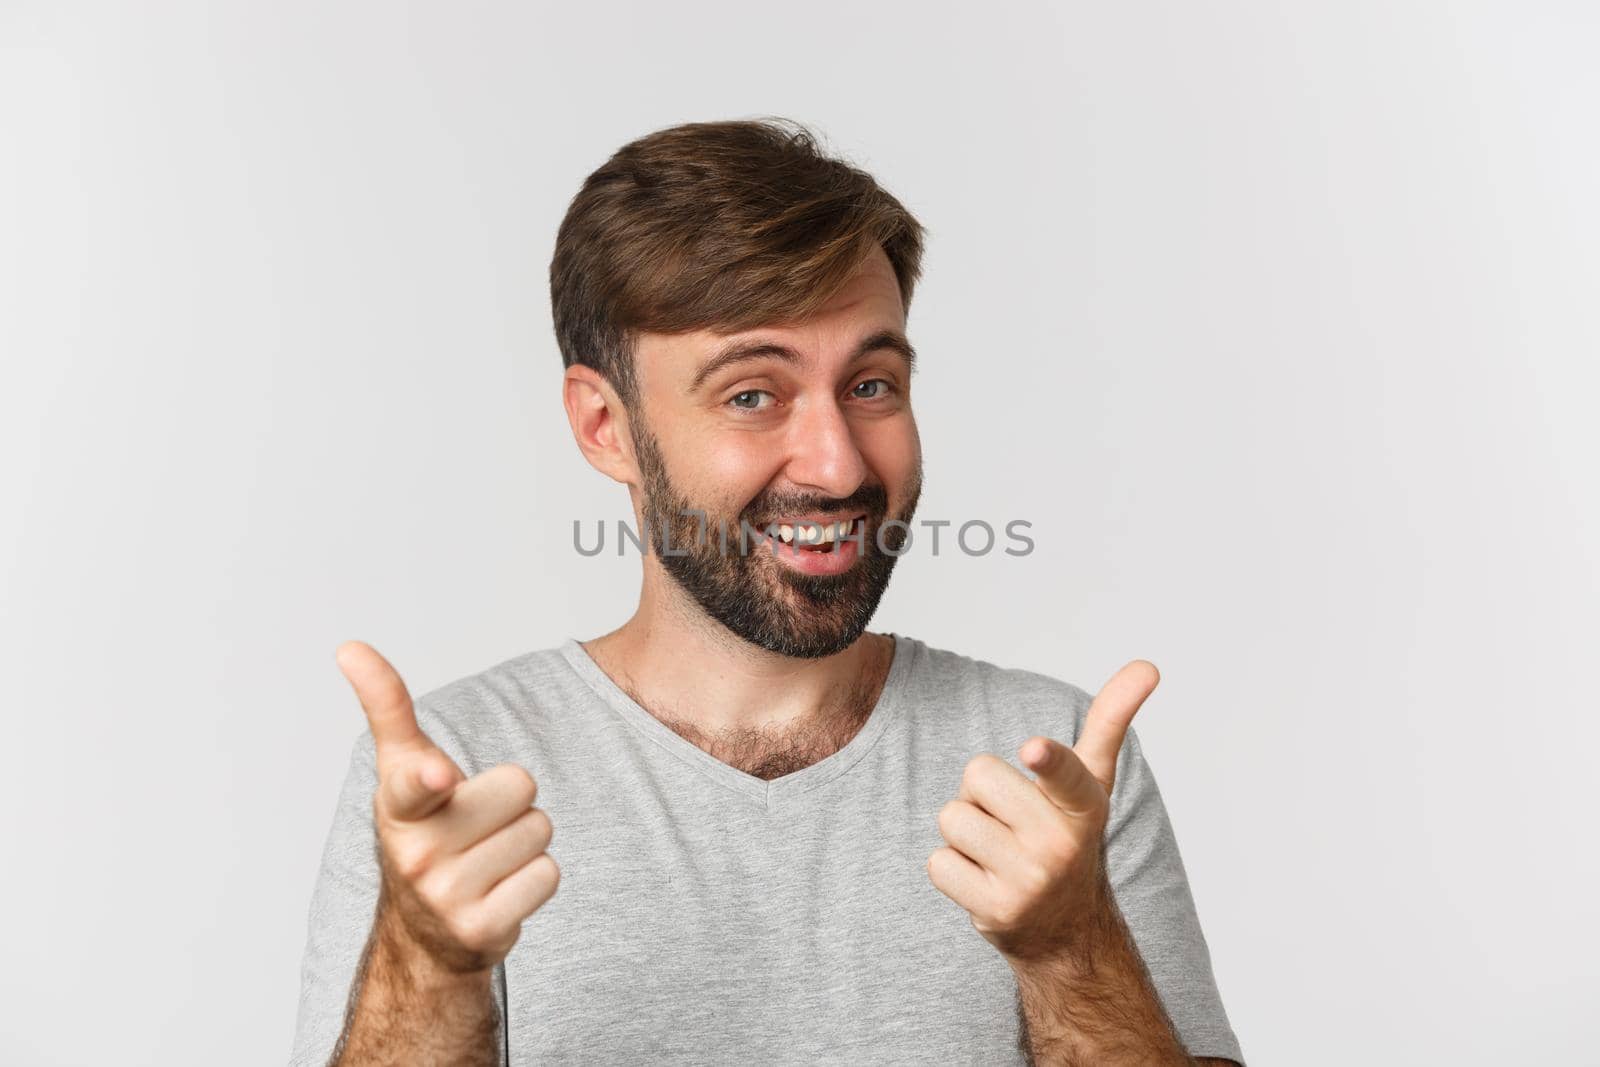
813	534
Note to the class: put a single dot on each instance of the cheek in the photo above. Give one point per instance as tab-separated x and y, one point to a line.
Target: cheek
736	472
893	449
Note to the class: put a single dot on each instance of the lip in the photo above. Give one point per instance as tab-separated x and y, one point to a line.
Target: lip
816	520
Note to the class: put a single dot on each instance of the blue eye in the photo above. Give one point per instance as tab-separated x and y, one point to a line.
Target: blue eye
871	381
739	400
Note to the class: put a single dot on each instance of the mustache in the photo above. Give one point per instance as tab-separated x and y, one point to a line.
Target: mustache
873	499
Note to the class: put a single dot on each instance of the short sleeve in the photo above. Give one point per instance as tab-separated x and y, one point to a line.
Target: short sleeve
1152	891
343	903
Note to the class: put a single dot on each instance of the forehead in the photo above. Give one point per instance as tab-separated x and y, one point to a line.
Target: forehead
868	303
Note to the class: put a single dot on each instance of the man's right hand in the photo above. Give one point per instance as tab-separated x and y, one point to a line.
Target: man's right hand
463	859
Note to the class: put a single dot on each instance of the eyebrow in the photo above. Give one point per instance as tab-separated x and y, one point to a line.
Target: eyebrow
744	351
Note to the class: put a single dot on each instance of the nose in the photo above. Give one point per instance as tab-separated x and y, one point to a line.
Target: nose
823	452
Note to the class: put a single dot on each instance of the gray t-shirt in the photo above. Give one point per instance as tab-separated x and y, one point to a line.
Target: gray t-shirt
709	916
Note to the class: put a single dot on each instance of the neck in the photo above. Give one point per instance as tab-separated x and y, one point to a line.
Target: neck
686	668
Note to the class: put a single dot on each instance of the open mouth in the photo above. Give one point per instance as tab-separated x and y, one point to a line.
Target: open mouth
822	538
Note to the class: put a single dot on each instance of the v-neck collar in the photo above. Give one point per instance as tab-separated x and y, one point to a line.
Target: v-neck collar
767	793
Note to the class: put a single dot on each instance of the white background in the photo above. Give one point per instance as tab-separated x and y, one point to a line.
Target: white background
1277	321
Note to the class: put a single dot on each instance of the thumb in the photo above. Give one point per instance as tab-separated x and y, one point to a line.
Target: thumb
415	776
383	696
1110	714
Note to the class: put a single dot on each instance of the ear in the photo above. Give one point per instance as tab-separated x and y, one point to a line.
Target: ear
599	423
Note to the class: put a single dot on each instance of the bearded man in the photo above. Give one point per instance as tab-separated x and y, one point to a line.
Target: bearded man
784	839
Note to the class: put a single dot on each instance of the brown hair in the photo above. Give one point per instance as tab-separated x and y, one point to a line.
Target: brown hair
725	226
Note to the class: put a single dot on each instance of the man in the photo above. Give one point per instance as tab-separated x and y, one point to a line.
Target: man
783	839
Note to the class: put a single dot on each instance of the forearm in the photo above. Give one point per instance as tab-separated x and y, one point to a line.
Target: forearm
1092	1002
408	1010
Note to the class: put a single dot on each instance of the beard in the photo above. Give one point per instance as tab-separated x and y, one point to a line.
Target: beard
738	581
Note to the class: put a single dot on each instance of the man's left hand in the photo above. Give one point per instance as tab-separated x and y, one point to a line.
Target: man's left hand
1025	856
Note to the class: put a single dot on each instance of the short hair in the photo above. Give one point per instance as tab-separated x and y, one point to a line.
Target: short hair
725	226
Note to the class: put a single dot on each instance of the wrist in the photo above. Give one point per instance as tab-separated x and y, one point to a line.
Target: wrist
417	966
1095	933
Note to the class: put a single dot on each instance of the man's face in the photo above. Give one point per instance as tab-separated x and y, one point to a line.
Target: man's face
817	429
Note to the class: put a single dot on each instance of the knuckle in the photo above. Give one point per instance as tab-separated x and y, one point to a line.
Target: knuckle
551	869
382	799
471	930
1065	856
414	859
540	828
442	887
518	782
482	931
1059	851
979	767
1009	912
949	814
